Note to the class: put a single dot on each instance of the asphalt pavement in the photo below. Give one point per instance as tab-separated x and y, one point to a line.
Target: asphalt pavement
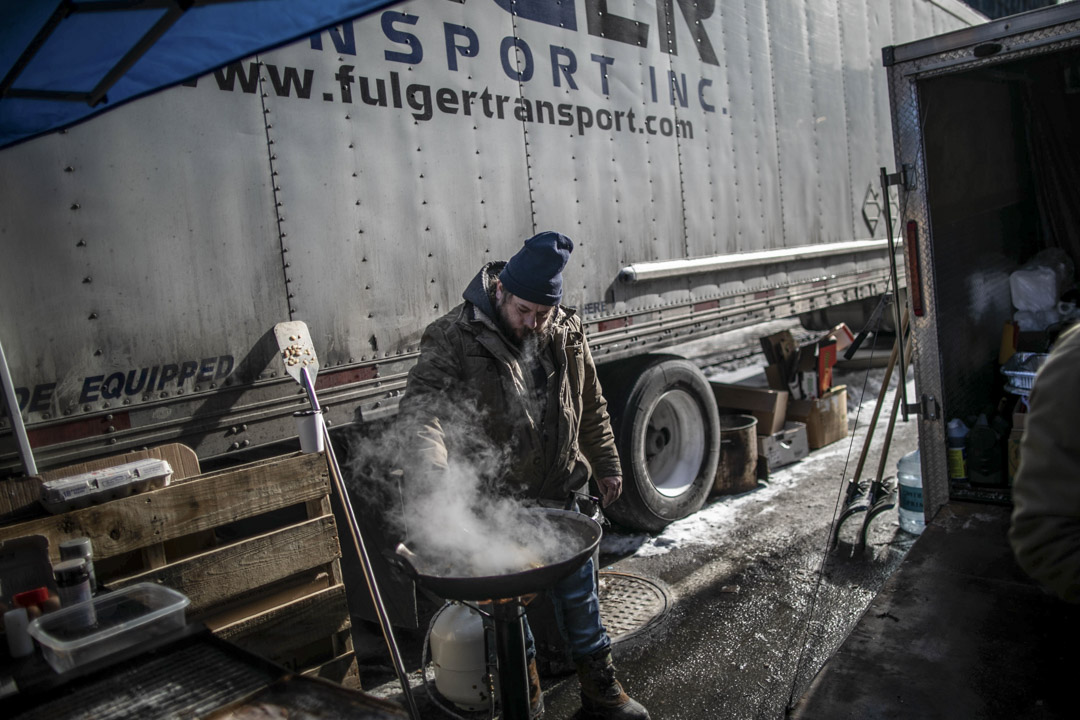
758	600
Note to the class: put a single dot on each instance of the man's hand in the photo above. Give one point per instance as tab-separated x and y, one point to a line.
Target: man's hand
610	488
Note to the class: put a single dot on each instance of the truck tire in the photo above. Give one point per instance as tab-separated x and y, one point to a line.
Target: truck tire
667	430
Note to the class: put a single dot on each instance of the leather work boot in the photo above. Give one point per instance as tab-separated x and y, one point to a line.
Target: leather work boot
536	695
602	697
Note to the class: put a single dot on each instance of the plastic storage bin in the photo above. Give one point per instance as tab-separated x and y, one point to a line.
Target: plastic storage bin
111	622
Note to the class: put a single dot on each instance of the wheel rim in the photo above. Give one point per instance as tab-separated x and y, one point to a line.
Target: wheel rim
674	443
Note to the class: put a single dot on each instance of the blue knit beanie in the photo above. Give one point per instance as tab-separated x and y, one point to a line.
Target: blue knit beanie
535	272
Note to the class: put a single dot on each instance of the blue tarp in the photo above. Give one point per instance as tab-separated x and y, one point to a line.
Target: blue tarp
62	61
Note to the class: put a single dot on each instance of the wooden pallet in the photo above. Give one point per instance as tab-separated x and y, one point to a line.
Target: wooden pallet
255	548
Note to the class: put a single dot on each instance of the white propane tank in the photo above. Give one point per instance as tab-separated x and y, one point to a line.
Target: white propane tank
459	654
909	478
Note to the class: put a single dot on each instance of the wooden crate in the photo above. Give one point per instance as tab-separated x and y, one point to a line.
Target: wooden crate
254	547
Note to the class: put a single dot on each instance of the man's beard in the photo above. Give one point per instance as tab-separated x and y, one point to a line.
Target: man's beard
531	339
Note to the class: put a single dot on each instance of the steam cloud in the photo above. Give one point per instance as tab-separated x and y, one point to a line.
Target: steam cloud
459	521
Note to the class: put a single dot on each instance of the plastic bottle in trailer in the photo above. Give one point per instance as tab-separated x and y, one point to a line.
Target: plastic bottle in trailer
909	478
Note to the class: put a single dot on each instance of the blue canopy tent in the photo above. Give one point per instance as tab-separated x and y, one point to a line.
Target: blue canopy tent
63	61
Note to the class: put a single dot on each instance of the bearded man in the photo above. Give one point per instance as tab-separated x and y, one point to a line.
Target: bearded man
520	362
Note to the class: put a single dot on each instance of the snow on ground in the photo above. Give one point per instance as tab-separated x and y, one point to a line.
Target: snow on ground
714	522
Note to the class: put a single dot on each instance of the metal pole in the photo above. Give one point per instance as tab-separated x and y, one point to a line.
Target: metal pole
896	350
896	290
26	453
361	550
510	650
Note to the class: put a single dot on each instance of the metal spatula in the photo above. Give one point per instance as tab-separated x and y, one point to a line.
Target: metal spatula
298	353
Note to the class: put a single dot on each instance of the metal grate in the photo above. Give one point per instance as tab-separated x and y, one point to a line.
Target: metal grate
188	683
630	604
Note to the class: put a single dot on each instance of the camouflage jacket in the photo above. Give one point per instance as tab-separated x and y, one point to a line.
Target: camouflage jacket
471	395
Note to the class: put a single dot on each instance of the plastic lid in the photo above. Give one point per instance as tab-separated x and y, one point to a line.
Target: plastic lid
37	596
910	464
76	547
957	428
70	570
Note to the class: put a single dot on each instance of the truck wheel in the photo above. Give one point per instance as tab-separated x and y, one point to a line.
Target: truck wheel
667	430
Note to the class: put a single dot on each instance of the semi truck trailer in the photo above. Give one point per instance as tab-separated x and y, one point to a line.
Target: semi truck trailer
716	163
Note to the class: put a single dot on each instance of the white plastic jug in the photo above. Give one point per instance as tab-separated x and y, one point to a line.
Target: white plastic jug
909	477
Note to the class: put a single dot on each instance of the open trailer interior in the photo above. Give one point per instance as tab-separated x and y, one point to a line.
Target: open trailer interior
986	123
986	133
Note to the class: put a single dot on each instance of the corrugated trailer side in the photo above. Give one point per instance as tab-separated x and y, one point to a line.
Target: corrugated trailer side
716	164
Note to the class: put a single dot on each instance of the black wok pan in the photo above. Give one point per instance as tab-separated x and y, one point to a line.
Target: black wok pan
583	533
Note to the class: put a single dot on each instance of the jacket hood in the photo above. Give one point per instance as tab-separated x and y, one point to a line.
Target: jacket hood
479	291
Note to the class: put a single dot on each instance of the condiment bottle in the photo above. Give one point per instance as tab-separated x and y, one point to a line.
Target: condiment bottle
20	644
956	453
73	584
80	548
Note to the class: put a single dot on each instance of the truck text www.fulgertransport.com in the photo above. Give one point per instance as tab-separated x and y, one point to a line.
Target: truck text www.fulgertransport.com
422	101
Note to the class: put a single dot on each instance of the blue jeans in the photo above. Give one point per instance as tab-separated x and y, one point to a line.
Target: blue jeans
577	612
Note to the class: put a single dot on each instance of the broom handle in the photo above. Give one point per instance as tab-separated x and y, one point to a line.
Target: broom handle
881	398
361	550
892	417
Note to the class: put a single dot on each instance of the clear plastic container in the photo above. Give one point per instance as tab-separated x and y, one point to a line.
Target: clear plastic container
123	618
1021	370
909	478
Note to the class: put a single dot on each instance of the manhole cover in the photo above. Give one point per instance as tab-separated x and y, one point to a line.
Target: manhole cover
630	604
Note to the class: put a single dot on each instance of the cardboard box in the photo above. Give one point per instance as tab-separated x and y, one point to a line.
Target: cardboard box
1019	419
767	405
808	367
774	374
842	335
778	347
825	417
826	358
785	447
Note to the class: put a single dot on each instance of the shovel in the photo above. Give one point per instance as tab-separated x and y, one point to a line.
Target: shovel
882	494
860	495
301	362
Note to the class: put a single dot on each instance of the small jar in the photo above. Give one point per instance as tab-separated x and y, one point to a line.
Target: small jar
73	584
80	548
